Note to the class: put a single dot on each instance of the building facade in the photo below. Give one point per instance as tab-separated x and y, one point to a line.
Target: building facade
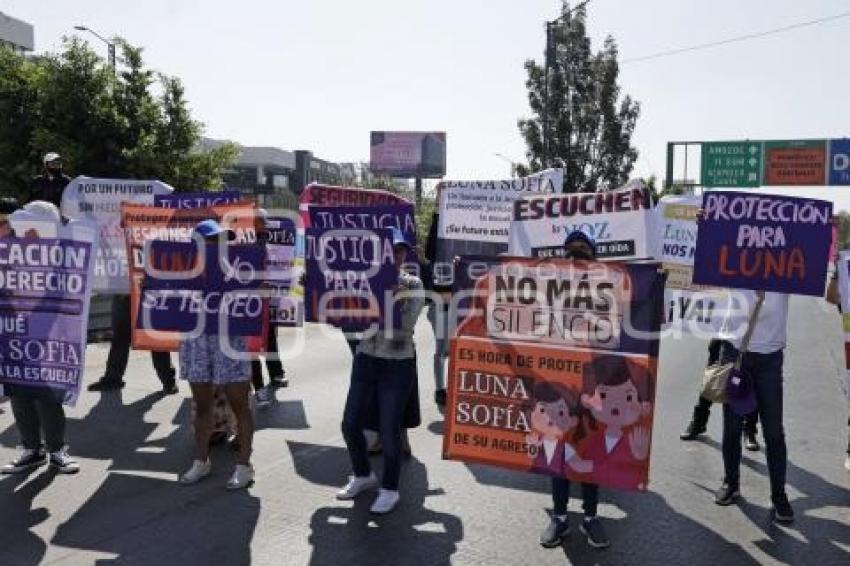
16	34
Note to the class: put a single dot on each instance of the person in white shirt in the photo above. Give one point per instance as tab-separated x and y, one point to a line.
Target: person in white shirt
762	362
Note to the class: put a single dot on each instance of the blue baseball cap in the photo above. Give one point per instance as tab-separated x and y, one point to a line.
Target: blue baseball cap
398	238
580	236
211	228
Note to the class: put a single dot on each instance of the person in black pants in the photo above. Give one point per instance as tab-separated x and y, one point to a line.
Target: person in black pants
702	411
277	375
119	353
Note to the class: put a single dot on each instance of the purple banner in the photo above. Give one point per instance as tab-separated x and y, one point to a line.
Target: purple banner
44	291
367	218
763	242
221	289
196	200
348	275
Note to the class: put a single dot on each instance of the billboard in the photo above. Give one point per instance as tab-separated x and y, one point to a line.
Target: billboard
408	154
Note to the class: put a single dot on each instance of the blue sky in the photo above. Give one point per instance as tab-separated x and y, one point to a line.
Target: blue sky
321	74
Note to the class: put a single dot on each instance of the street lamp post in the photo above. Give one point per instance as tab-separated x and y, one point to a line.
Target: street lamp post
509	160
548	62
109	44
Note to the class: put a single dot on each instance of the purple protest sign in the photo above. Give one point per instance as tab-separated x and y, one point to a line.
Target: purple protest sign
175	300
45	285
763	242
196	200
367	218
349	273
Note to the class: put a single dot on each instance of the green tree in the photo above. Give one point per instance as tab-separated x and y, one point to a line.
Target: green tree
103	125
589	126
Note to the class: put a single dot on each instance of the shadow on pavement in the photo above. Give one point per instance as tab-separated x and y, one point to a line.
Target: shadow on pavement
282	415
347	533
18	544
152	521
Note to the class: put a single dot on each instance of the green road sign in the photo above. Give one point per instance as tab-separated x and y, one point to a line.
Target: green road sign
731	164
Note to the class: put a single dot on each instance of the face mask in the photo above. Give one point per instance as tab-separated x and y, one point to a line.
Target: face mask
53	170
577	255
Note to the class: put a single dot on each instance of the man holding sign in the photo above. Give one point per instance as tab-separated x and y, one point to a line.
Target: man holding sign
765	247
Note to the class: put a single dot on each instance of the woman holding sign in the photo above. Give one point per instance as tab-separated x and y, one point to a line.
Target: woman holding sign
384	367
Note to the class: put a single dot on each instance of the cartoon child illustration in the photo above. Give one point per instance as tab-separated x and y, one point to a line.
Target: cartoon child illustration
552	416
616	395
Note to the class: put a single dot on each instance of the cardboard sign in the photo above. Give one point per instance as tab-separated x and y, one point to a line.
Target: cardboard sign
349	275
619	221
763	242
554	371
45	290
99	201
143	224
475	216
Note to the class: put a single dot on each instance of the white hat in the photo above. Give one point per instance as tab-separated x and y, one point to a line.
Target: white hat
52	156
44	209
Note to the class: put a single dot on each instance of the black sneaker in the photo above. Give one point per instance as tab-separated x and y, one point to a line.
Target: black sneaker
751	443
592	528
106	385
782	512
727	494
279	380
693	431
26	460
440	397
62	463
170	388
554	533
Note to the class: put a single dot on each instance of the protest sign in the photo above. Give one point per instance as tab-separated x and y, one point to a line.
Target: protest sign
367	218
99	201
475	216
763	242
688	307
45	289
619	221
843	268
196	287
148	223
329	195
554	370
284	309
196	200
349	274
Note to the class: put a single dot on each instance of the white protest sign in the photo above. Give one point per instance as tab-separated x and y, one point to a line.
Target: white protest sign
619	221
99	201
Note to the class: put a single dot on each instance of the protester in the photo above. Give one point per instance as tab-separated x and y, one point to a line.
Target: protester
438	311
702	410
49	185
762	363
205	365
579	246
833	296
38	410
385	365
277	375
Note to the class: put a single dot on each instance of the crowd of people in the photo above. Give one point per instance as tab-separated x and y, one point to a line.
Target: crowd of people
383	390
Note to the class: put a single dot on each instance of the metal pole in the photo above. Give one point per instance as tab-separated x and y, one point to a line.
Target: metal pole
547	62
668	182
418	190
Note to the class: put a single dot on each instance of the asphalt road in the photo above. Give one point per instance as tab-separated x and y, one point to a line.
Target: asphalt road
126	507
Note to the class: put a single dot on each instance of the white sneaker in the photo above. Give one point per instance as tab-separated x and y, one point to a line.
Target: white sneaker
26	460
263	397
847	463
356	486
62	463
197	472
385	502
243	476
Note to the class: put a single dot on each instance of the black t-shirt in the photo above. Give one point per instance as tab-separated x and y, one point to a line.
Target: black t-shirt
49	188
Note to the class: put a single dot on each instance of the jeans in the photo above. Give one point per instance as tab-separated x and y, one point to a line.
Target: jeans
765	370
119	350
390	381
35	416
274	367
438	316
561	496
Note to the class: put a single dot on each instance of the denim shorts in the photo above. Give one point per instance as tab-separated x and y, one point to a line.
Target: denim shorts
203	360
